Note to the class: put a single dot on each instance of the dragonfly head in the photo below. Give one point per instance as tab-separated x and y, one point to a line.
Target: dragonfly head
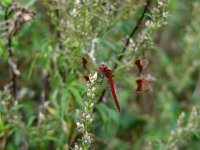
102	67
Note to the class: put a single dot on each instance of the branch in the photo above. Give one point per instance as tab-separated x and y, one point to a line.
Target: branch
133	32
12	65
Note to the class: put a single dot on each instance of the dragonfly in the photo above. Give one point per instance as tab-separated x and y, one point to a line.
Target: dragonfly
104	71
142	82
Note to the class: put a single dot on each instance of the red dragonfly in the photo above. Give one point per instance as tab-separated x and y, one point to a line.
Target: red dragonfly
104	72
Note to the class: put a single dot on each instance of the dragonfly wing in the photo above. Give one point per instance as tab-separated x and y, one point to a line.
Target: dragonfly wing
84	62
141	63
142	85
86	78
112	88
88	64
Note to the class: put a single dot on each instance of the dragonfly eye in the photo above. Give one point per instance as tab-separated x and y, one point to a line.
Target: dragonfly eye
102	68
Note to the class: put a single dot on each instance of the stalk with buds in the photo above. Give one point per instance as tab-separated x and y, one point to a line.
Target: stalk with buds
86	116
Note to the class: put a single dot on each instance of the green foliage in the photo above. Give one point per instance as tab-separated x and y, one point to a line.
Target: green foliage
53	108
6	2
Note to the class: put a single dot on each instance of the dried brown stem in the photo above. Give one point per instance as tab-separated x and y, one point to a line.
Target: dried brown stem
12	65
133	32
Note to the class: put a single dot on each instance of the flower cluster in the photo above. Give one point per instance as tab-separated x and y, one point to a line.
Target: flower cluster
83	126
9	107
185	128
5	97
192	46
17	16
144	41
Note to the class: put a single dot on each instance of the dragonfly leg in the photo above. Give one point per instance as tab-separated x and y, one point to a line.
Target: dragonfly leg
100	75
99	82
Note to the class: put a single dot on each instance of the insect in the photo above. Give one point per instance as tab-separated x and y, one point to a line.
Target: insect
108	73
104	71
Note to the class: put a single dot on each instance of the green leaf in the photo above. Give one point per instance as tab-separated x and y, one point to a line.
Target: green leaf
108	113
31	68
113	115
6	2
18	107
1	124
3	109
102	110
31	2
110	119
30	120
197	134
108	44
18	137
1	47
148	15
77	96
51	138
64	99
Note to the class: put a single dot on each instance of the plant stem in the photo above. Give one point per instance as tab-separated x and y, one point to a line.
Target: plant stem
133	32
11	55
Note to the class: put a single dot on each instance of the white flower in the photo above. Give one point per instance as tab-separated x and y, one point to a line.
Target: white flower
165	14
92	95
87	138
149	23
93	89
41	116
76	147
78	124
27	17
77	2
91	105
83	114
91	120
86	103
88	117
88	94
89	90
88	85
95	76
74	12
180	119
131	41
160	3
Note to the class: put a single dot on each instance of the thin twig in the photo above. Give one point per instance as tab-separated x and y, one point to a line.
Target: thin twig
60	45
10	52
128	42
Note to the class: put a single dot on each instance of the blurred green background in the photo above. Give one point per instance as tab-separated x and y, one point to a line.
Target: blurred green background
50	91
